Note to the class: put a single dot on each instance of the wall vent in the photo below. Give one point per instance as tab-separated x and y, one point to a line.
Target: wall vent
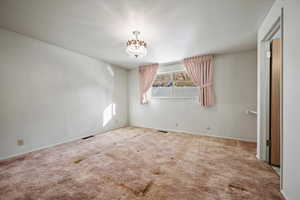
162	131
85	138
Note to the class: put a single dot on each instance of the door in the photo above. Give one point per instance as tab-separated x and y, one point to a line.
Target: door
275	98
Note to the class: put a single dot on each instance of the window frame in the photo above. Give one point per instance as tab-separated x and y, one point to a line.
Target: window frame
172	71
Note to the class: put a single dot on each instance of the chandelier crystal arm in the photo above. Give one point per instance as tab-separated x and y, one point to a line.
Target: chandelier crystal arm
136	48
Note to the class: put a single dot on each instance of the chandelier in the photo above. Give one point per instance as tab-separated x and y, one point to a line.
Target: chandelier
136	48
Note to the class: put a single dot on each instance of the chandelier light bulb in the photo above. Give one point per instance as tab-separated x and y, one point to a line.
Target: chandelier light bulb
136	48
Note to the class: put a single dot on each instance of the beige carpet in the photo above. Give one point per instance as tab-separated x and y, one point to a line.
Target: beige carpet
138	164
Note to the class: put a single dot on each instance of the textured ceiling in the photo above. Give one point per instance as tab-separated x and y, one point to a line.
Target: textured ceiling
173	29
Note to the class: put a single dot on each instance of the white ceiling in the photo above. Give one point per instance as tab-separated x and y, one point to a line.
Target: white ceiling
173	29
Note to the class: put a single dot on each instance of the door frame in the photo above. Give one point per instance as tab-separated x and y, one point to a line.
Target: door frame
265	114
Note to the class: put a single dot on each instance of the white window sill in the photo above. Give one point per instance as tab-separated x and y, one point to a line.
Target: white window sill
174	98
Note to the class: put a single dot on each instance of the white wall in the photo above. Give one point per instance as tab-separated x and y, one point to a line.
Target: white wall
50	95
291	92
291	99
235	87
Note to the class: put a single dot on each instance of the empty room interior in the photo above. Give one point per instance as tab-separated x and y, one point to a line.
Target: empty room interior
149	100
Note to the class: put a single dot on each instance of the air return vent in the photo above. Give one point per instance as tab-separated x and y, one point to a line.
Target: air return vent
162	131
85	138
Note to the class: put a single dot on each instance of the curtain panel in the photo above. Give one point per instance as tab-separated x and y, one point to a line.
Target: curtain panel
147	74
200	69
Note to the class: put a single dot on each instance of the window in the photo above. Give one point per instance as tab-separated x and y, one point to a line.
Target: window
173	82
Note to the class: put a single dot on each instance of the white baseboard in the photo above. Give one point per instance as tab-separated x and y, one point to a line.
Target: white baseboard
258	158
283	194
58	143
204	134
103	131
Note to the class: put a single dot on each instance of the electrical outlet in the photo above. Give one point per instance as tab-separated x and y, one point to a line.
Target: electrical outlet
20	142
208	130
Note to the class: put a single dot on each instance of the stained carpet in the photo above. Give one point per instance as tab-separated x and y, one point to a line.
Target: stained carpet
140	164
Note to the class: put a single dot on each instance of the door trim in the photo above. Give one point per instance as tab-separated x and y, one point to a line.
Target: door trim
278	25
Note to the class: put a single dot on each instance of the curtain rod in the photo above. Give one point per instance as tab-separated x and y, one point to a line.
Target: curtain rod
178	62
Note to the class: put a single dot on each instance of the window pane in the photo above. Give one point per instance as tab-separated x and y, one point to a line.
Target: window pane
163	80
174	84
181	79
162	86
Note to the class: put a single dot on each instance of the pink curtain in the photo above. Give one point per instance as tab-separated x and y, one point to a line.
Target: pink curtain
147	76
200	69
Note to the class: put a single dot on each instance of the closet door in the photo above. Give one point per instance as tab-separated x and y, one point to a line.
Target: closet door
276	71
